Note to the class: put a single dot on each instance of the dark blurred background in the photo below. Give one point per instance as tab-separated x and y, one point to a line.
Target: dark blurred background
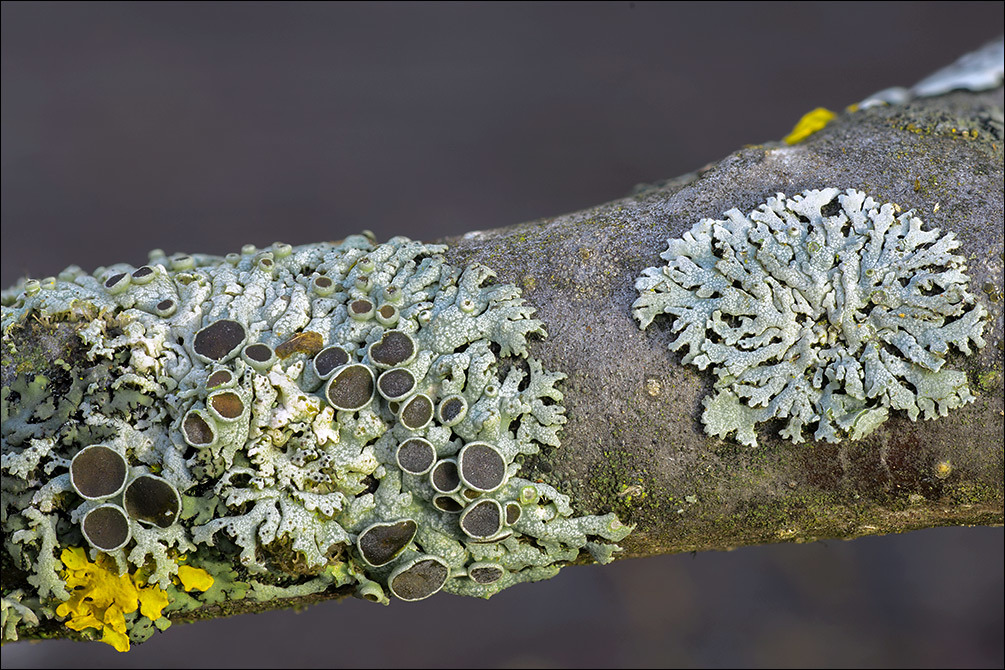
200	127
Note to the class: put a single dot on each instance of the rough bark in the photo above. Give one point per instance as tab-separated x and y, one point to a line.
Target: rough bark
634	443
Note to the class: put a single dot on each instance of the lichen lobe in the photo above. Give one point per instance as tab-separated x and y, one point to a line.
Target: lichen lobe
823	309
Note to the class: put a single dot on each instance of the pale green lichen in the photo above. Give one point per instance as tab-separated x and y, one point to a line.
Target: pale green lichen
825	308
978	70
14	613
256	387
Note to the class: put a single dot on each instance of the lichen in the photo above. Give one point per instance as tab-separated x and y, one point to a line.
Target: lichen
291	419
810	123
978	70
101	598
824	309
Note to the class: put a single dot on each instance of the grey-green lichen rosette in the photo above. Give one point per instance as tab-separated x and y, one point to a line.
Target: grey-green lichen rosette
826	309
290	420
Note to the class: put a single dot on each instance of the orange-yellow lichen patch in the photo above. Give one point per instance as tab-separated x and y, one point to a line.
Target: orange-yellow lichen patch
100	597
194	579
809	124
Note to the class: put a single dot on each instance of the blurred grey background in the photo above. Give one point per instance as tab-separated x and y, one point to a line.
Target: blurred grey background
200	127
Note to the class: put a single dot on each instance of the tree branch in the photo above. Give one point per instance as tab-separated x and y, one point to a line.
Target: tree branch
634	443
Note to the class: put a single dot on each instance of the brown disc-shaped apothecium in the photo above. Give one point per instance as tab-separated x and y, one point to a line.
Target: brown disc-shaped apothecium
98	472
351	388
382	542
219	340
153	500
106	527
419	578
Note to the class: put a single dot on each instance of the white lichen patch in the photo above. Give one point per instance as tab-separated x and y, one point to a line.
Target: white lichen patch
314	417
979	70
826	309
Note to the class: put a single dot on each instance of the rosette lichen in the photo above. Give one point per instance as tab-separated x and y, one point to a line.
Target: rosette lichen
344	416
825	308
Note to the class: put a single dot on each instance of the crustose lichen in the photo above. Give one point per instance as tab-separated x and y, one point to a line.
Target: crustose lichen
825	308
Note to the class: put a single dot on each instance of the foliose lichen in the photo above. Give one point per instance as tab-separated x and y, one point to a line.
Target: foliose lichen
979	70
277	422
823	309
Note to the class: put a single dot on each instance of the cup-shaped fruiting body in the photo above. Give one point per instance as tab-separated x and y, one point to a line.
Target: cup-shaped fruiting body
446	503
165	308
416	412
444	476
106	527
365	265
182	262
364	283
259	356
416	456
265	264
329	360
98	472
483	519
320	368
230	411
529	495
351	388
361	309
452	410
323	286
481	467
220	378
419	578
485	572
387	315
197	429
226	405
513	513
393	295
395	347
143	275
152	500
396	384
219	341
281	249
381	543
372	591
117	283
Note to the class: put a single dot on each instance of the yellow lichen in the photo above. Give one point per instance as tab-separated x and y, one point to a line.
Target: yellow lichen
194	579
809	124
100	597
